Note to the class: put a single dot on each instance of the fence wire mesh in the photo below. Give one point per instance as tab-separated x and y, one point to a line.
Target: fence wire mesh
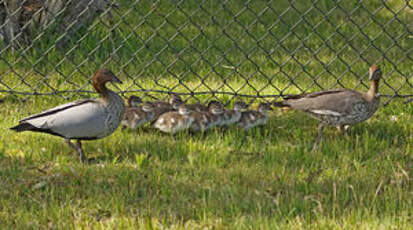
202	49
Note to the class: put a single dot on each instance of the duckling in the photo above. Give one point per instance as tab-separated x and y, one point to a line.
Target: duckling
206	120
138	116
174	121
134	101
216	114
233	116
161	107
198	107
252	118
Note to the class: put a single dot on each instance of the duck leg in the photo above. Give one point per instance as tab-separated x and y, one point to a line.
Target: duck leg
340	129
343	129
262	130
347	129
319	136
78	148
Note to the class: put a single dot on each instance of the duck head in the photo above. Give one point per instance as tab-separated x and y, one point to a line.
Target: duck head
240	106
215	107
375	73
134	101
264	107
175	101
101	77
148	107
183	110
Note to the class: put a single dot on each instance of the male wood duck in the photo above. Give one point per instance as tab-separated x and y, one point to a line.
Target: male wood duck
86	119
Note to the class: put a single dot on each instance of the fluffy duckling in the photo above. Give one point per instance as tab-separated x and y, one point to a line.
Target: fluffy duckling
175	121
252	118
136	117
133	101
161	107
206	120
198	107
233	116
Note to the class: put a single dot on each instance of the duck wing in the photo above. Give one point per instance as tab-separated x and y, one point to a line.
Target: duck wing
331	102
58	109
83	119
313	94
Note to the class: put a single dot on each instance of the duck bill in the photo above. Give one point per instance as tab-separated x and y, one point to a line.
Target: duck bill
116	80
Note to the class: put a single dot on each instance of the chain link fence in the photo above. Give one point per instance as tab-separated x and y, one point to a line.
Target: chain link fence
204	49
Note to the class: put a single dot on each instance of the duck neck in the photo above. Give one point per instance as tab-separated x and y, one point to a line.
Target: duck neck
374	89
101	89
264	112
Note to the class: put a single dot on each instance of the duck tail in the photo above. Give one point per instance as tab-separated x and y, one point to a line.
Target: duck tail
23	127
281	104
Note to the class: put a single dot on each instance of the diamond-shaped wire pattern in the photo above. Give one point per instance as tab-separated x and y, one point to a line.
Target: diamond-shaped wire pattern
254	49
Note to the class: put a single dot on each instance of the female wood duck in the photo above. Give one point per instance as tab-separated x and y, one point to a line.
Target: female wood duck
338	107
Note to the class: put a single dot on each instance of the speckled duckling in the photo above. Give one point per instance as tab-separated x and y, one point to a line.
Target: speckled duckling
232	116
253	118
198	107
175	121
161	107
207	120
137	116
134	101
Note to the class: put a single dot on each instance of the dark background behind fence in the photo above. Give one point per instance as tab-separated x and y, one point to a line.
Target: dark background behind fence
257	49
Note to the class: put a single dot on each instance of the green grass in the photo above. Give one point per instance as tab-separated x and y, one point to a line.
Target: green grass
267	178
264	179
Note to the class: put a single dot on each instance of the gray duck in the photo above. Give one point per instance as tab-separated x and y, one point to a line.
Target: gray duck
338	107
86	119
